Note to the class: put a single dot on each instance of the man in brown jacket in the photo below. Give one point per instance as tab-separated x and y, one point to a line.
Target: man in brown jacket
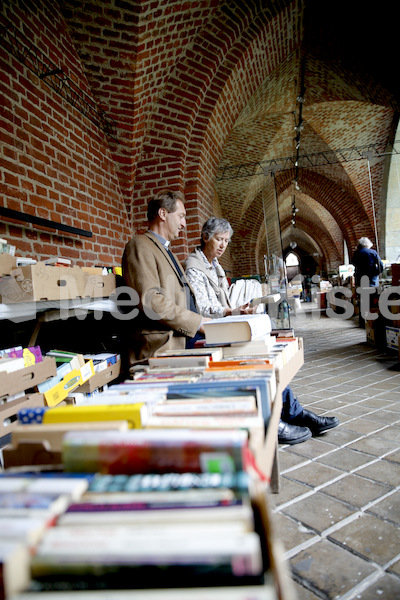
167	314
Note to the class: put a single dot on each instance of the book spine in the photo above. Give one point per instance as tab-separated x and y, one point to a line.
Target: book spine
130	458
206	408
169	482
149	506
136	414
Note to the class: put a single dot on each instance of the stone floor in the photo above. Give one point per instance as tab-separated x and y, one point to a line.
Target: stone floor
338	510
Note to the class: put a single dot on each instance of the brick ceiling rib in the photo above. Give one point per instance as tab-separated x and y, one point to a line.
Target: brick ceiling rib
195	86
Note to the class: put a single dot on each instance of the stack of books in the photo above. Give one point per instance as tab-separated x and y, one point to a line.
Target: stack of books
176	499
29	506
165	510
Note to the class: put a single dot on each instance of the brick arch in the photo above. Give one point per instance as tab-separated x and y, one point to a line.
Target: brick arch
246	77
249	242
306	245
332	257
219	74
342	203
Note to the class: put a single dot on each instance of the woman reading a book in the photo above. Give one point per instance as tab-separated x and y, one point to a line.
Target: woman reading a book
210	285
207	277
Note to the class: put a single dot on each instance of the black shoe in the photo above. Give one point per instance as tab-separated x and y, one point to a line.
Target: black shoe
318	425
292	434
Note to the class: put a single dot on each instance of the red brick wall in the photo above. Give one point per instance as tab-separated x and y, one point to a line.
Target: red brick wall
55	163
191	87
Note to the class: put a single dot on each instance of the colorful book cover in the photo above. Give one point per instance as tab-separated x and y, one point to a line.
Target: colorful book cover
149	451
27	416
31	355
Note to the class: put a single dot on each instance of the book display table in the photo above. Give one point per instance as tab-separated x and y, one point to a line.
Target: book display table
269	457
276	584
54	310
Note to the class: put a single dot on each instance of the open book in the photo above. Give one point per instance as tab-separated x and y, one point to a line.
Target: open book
237	328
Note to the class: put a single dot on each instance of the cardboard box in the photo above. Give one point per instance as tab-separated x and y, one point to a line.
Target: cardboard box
27	378
43	282
99	286
7	263
93	270
70	382
9	411
53	434
100	379
392	337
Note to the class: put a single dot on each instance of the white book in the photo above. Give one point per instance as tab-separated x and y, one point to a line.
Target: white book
186	362
257	347
23	261
168	439
237	328
38	497
13	484
113	397
30	504
27	530
213	353
76	545
9	365
74	487
205	422
210	406
269	299
58	260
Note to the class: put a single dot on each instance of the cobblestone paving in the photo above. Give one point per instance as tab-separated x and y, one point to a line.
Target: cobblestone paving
338	509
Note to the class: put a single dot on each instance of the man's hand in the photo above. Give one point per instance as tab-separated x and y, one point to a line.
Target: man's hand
204	320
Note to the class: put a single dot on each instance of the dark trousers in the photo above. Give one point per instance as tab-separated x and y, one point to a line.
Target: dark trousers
291	407
190	342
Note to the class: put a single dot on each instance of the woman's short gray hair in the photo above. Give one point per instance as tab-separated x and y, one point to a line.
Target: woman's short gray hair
213	226
364	242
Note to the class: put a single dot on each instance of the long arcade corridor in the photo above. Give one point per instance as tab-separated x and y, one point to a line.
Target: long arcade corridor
338	509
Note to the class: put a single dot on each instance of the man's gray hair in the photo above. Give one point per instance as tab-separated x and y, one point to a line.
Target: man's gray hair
213	226
365	242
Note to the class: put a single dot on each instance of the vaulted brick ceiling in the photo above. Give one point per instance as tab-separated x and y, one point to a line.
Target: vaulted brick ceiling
195	87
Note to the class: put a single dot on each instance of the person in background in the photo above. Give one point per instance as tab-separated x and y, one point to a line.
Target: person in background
367	262
208	281
167	313
367	268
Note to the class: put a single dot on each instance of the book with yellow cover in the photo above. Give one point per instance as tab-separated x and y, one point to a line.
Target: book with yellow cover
70	380
135	414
